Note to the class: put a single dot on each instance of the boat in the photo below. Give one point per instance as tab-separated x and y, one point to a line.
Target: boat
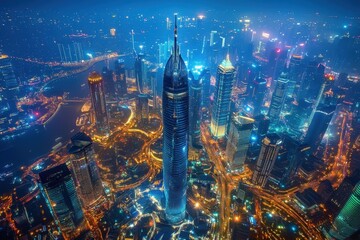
57	146
58	139
83	85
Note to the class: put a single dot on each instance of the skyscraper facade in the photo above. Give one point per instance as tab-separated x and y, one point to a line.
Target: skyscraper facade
97	94
348	221
221	110
271	145
120	78
194	109
238	141
175	134
59	190
277	100
205	94
258	94
9	83
140	72
318	126
142	107
85	169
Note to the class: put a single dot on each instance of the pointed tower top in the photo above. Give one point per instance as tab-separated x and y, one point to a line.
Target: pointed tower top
226	64
176	48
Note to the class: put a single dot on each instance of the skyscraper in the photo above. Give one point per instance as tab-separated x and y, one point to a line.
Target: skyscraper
318	126
268	154
238	141
258	94
221	110
348	221
175	134
140	72
96	85
109	84
195	109
205	94
8	82
84	166
277	100
59	190
120	78
142	107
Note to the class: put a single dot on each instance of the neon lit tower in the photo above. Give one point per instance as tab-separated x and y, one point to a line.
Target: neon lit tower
221	111
348	221
97	94
176	121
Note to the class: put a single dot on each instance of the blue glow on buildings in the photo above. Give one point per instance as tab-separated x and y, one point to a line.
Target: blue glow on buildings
175	134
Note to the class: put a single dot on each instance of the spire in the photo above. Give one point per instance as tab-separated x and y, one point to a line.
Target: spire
176	48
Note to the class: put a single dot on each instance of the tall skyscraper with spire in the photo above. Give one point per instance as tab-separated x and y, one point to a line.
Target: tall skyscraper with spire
221	111
175	134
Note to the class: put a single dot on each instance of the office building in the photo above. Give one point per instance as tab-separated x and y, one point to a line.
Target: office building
109	84
59	190
318	126
175	102
195	109
97	94
85	170
120	78
257	94
348	221
221	110
270	147
140	72
205	94
238	141
142	107
9	83
277	100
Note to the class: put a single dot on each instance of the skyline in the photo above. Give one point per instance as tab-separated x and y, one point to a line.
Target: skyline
187	120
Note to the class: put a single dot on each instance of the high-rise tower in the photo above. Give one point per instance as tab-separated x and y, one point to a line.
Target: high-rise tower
120	78
269	152
277	100
97	94
195	108
238	141
175	134
348	221
59	189
85	170
221	111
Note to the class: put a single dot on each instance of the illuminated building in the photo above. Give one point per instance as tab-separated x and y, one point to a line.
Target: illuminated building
140	72
109	84
318	126
295	155
86	172
154	85
300	111
112	32
296	69
59	189
277	100
262	123
9	83
311	81
257	94
175	134
142	107
195	109
348	221
97	94
212	38
120	78
221	110
238	141
268	154
205	94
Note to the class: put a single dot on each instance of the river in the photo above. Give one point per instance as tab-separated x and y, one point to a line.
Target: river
24	150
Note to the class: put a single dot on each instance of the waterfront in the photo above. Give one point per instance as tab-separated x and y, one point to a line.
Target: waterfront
39	142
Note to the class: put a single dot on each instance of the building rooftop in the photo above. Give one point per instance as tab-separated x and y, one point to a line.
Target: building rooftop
54	174
94	77
79	142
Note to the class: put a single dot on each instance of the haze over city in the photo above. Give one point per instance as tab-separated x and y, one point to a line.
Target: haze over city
179	119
